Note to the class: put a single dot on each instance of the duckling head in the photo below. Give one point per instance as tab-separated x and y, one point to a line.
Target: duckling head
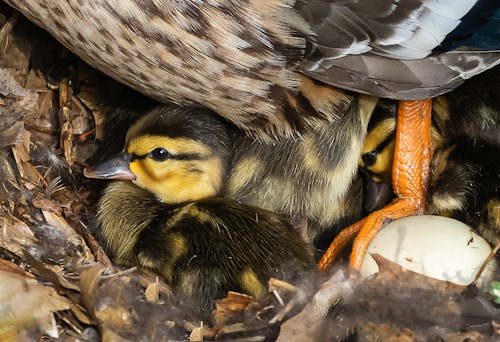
378	148
179	154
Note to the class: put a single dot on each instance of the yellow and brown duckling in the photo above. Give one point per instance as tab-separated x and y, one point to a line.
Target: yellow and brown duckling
465	173
188	156
166	212
313	180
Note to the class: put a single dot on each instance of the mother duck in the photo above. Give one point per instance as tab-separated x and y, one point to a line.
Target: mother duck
254	61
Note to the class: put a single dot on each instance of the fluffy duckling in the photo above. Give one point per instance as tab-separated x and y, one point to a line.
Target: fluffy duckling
312	179
466	147
203	247
167	214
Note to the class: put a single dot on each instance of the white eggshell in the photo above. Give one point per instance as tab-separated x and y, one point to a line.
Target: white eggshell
436	246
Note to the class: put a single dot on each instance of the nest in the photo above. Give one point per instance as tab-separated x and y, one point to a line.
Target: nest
57	282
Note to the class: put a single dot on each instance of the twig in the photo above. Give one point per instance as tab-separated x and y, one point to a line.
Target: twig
485	263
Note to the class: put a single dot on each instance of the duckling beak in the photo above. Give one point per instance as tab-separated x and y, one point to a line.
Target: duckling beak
377	193
117	167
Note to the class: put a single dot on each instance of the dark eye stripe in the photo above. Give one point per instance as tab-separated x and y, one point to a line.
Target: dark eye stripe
385	142
184	156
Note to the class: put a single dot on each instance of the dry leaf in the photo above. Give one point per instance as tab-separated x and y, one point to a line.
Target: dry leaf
9	86
404	300
230	308
115	302
68	232
80	116
26	302
15	235
198	333
81	314
309	323
53	273
383	332
12	135
8	266
151	293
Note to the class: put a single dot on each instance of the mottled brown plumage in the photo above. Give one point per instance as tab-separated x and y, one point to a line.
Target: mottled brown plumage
243	58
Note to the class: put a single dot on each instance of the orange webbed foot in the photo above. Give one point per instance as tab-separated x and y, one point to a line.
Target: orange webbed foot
412	154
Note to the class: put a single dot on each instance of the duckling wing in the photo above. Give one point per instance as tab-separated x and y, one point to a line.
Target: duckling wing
403	49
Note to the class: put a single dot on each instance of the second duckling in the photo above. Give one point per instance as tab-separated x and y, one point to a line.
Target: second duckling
465	172
203	248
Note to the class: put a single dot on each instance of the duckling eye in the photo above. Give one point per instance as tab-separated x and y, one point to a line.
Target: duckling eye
159	154
369	158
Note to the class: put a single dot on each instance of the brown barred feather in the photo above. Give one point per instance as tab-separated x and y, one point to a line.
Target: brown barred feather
229	55
244	58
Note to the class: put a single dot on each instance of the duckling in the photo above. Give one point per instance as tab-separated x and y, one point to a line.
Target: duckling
377	154
464	180
184	155
204	247
165	213
312	180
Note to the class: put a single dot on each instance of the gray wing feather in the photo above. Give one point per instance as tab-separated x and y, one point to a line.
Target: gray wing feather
408	29
384	47
403	79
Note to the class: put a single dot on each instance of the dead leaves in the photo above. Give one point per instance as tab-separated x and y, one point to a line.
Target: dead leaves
394	305
15	234
26	303
116	302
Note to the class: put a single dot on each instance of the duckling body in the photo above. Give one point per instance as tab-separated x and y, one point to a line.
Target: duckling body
312	178
203	248
465	185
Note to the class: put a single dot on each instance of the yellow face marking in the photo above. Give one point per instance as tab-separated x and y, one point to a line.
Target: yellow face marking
251	284
197	176
378	134
384	158
383	162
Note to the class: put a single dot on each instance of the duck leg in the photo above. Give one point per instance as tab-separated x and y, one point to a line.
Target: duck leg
410	173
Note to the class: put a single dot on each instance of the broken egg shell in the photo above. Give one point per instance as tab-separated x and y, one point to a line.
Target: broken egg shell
435	246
